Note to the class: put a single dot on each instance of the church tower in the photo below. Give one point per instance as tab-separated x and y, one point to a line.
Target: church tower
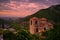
34	25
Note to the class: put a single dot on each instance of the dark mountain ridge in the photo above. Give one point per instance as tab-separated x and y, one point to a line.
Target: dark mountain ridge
51	13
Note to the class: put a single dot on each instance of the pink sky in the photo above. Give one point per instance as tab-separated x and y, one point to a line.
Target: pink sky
21	8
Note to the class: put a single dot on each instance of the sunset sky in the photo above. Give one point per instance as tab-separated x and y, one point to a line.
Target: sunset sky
22	8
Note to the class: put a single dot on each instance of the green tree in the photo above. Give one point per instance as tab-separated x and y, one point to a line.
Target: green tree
23	35
53	34
1	31
8	35
16	26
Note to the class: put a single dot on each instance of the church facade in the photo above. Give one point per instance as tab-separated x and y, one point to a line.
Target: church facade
39	25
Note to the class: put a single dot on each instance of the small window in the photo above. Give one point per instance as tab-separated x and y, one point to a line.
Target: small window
31	22
35	22
44	28
36	29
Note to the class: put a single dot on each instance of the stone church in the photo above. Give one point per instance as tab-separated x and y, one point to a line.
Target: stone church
39	25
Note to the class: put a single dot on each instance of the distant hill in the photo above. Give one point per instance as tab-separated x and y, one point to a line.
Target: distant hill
8	20
51	13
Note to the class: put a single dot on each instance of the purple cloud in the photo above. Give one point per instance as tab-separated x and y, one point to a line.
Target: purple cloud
28	7
4	1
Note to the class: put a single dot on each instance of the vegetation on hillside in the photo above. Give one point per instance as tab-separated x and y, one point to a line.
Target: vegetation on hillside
53	34
51	13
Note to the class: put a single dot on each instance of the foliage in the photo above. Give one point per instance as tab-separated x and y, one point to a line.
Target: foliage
8	35
53	34
23	35
52	13
15	26
35	37
1	31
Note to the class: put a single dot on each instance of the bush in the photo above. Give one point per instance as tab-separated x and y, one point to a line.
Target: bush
53	34
23	35
8	35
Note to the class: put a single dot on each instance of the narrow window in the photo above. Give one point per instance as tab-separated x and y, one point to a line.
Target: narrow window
31	22
35	22
36	29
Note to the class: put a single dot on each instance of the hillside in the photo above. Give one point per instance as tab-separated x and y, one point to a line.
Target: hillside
52	13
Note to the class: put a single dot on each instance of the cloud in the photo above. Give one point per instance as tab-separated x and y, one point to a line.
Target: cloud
4	7
20	9
23	7
4	1
14	8
25	4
